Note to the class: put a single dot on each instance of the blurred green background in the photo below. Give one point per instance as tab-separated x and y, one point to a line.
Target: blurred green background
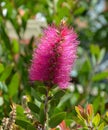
21	25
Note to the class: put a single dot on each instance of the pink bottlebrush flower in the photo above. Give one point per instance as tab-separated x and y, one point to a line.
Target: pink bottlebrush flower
54	57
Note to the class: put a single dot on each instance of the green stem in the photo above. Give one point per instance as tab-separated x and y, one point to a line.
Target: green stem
46	110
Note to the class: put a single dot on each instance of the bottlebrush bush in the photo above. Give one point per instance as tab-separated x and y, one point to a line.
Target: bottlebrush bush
46	108
22	97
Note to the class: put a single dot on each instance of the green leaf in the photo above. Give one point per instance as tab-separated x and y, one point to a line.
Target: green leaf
56	119
56	98
93	59
78	121
96	120
96	103
1	68
101	55
33	107
25	124
14	84
3	87
86	67
15	46
58	94
57	129
35	94
20	112
106	114
42	114
95	50
6	73
64	99
56	110
5	37
101	126
100	76
30	127
79	11
68	122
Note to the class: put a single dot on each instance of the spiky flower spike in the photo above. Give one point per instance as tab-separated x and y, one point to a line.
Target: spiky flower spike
54	57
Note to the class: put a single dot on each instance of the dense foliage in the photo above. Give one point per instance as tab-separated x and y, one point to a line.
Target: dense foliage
89	76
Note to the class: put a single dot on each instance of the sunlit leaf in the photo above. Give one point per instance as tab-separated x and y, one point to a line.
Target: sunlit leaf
79	11
1	68
20	113
15	46
14	84
100	76
96	120
107	113
101	126
95	50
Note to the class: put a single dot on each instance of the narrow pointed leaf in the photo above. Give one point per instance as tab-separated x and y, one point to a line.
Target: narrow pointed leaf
33	107
56	119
